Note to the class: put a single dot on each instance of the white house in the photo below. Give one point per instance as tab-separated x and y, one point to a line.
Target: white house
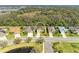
62	30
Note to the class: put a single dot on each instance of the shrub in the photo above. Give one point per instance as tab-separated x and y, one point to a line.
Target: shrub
3	43
17	41
28	40
40	40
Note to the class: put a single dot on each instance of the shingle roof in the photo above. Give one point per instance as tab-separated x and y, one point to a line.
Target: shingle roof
15	29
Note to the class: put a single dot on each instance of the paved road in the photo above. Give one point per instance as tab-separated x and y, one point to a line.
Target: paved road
62	39
48	47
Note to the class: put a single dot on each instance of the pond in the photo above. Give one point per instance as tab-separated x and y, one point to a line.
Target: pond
23	50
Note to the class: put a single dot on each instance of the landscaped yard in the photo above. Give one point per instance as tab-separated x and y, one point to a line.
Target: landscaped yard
45	32
10	36
57	34
72	35
66	47
23	34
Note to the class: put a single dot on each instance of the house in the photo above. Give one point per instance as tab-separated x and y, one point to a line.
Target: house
77	30
73	29
39	30
51	30
63	30
29	30
16	31
2	35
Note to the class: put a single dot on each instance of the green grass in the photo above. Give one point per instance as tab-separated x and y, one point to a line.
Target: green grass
57	34
23	34
10	36
34	33
72	34
44	34
66	47
36	46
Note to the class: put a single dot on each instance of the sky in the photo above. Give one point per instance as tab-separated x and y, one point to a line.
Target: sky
39	2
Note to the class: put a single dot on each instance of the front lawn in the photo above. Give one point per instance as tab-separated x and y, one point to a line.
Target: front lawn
57	34
66	47
72	35
10	36
23	34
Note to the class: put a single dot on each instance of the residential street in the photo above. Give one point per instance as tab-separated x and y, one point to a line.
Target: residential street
48	47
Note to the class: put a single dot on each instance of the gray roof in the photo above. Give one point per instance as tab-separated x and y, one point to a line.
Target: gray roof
1	30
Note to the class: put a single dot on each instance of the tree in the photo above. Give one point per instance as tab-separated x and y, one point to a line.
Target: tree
40	40
3	44
17	41
28	40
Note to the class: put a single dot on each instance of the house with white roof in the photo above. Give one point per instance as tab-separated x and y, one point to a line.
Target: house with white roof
63	30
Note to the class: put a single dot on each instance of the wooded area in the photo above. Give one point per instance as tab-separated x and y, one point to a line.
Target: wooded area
62	16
